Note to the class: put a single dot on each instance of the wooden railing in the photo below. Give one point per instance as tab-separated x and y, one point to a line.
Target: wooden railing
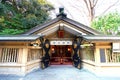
88	53
112	56
9	55
33	54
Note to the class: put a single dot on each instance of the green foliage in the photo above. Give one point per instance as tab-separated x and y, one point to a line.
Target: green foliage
1	19
18	16
11	31
108	24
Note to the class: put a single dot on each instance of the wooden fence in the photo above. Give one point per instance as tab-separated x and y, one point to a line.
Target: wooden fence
9	55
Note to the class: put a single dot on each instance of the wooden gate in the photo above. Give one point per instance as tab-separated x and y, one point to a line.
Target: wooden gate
61	54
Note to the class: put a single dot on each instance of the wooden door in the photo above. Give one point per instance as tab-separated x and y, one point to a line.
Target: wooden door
61	55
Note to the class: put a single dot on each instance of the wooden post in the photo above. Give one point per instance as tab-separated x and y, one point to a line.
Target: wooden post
20	55
97	59
97	55
24	60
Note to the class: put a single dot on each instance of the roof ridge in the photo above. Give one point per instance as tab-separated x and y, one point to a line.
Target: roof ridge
83	27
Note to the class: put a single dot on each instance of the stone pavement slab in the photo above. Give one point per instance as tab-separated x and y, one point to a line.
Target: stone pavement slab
58	72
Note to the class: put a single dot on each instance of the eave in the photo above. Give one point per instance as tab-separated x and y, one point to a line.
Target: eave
19	38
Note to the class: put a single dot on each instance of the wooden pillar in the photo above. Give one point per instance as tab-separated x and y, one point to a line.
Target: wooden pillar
97	55
97	60
24	60
20	55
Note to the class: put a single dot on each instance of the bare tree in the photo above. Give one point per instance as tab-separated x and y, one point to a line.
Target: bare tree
90	5
91	8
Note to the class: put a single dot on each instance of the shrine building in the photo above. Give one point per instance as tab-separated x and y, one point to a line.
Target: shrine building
61	41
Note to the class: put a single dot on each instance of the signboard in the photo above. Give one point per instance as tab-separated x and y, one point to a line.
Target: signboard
116	47
60	42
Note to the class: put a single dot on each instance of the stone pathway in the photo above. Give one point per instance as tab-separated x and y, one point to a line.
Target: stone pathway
58	72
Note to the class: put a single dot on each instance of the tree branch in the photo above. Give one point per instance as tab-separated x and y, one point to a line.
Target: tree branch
87	5
95	2
110	7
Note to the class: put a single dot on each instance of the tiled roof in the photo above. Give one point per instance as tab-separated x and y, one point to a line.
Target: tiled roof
19	38
102	38
81	26
41	26
70	21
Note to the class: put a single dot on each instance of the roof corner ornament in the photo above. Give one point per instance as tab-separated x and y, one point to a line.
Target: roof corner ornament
61	13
